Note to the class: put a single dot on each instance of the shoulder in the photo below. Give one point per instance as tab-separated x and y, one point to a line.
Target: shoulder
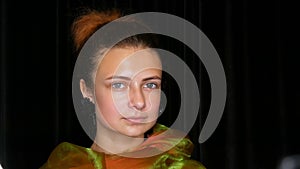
68	155
179	148
66	147
186	164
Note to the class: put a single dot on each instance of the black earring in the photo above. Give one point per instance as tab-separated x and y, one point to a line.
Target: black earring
86	101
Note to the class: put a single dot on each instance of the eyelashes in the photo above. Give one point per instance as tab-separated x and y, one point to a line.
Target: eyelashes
125	85
118	85
151	86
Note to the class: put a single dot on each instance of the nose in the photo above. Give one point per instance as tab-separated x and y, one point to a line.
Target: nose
136	98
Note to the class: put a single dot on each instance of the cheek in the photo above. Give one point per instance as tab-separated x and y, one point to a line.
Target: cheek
105	103
154	103
109	103
154	99
120	99
105	108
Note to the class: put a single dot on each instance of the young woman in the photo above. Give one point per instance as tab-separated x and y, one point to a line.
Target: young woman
123	85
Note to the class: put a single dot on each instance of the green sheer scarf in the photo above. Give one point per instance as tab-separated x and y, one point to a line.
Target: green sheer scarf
177	156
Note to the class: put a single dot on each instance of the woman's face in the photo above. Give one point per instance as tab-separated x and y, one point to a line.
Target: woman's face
127	90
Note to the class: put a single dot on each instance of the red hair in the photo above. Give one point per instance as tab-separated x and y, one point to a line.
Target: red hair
84	26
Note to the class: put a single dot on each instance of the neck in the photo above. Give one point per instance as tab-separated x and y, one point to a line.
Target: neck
112	142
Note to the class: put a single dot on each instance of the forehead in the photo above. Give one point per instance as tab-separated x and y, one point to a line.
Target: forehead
128	62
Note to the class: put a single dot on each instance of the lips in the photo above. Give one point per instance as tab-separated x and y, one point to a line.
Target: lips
136	119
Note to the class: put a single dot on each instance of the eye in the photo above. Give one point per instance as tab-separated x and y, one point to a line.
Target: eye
118	85
151	86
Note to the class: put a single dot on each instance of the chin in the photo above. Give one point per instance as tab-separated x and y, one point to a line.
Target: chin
138	131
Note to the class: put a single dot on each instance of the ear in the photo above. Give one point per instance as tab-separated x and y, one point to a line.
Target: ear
85	91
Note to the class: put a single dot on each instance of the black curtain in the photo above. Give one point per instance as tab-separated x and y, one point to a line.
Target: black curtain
257	42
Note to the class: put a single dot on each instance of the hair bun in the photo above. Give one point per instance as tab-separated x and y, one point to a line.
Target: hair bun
85	25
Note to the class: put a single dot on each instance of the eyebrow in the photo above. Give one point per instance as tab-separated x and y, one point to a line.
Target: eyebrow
118	77
152	78
127	78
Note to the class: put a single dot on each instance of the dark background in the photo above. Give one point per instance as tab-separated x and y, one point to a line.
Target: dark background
258	44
